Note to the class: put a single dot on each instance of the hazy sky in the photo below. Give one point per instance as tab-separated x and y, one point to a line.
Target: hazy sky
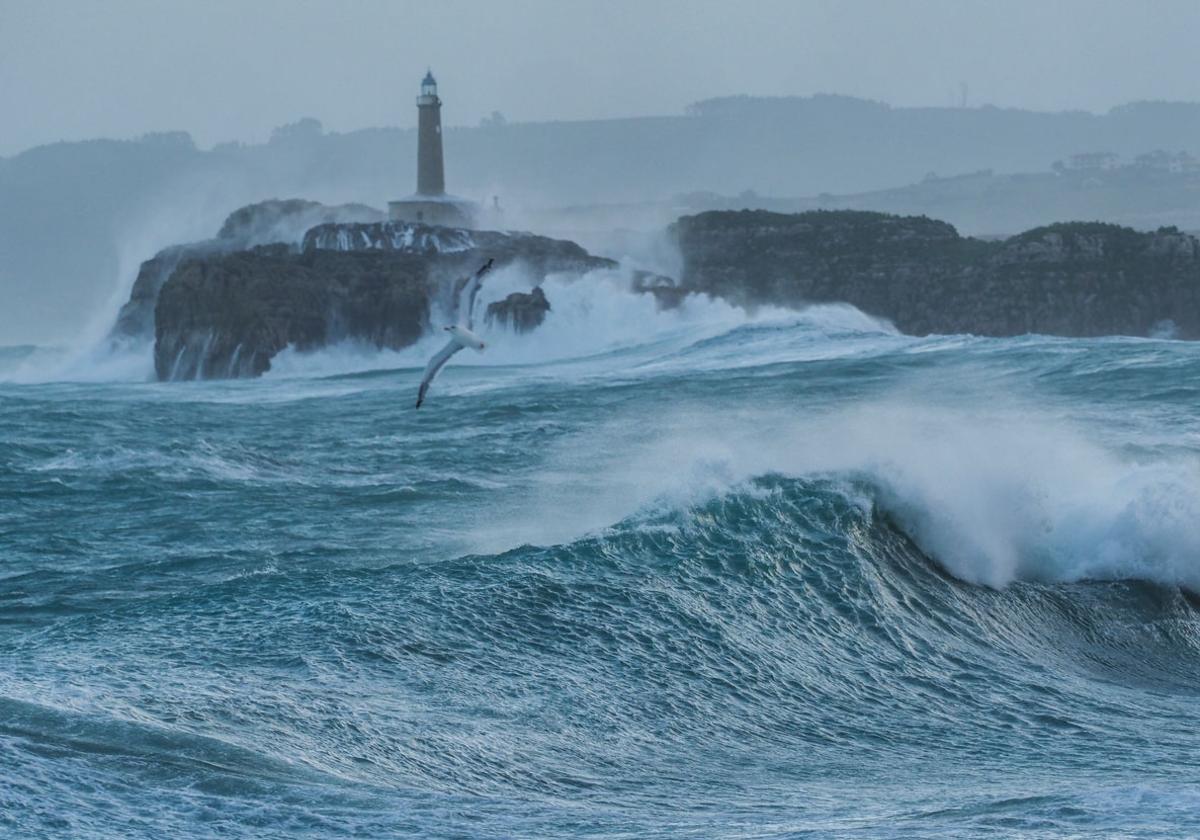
233	70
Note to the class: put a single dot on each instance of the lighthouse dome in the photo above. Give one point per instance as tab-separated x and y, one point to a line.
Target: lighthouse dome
428	90
429	84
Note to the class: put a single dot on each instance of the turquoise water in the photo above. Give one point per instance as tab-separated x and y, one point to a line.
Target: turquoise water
699	574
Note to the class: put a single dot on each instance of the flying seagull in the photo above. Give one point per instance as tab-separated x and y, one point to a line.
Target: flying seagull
460	336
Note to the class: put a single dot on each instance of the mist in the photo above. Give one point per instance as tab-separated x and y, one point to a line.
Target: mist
597	124
234	71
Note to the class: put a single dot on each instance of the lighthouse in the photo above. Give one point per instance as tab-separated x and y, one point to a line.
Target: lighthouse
430	204
431	169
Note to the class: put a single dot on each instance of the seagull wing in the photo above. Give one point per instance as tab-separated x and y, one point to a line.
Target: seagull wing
435	364
473	291
442	356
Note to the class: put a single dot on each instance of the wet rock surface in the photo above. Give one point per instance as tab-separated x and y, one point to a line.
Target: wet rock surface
1070	279
267	222
520	311
227	314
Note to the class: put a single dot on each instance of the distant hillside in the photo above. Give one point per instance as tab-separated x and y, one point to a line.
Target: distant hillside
1154	189
77	218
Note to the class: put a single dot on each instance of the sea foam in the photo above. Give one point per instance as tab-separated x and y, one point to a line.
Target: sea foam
994	494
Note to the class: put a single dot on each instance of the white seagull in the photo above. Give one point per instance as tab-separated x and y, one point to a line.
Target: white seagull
460	336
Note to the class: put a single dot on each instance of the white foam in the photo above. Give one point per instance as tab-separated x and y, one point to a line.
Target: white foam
594	315
994	493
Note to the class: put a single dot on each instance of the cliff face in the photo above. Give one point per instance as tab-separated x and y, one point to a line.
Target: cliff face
136	318
267	222
227	314
1077	279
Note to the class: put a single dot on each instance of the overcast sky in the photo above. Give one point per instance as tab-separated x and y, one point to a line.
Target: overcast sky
234	69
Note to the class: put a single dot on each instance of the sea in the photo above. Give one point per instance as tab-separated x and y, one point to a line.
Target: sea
697	572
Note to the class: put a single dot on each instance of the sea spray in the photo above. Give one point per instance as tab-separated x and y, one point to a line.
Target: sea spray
591	316
993	494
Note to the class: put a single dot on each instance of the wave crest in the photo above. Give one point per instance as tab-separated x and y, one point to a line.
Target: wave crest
993	495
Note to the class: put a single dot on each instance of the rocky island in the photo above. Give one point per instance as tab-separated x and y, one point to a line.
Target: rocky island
1071	279
282	274
300	274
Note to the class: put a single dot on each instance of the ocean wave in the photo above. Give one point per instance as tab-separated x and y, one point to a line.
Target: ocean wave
590	317
994	494
593	319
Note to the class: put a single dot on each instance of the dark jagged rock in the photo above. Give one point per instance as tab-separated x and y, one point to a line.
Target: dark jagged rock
229	314
1073	279
255	224
136	318
520	311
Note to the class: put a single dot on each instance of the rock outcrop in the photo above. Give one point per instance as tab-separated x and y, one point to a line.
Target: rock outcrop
520	311
227	306
228	314
136	318
267	222
1074	279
